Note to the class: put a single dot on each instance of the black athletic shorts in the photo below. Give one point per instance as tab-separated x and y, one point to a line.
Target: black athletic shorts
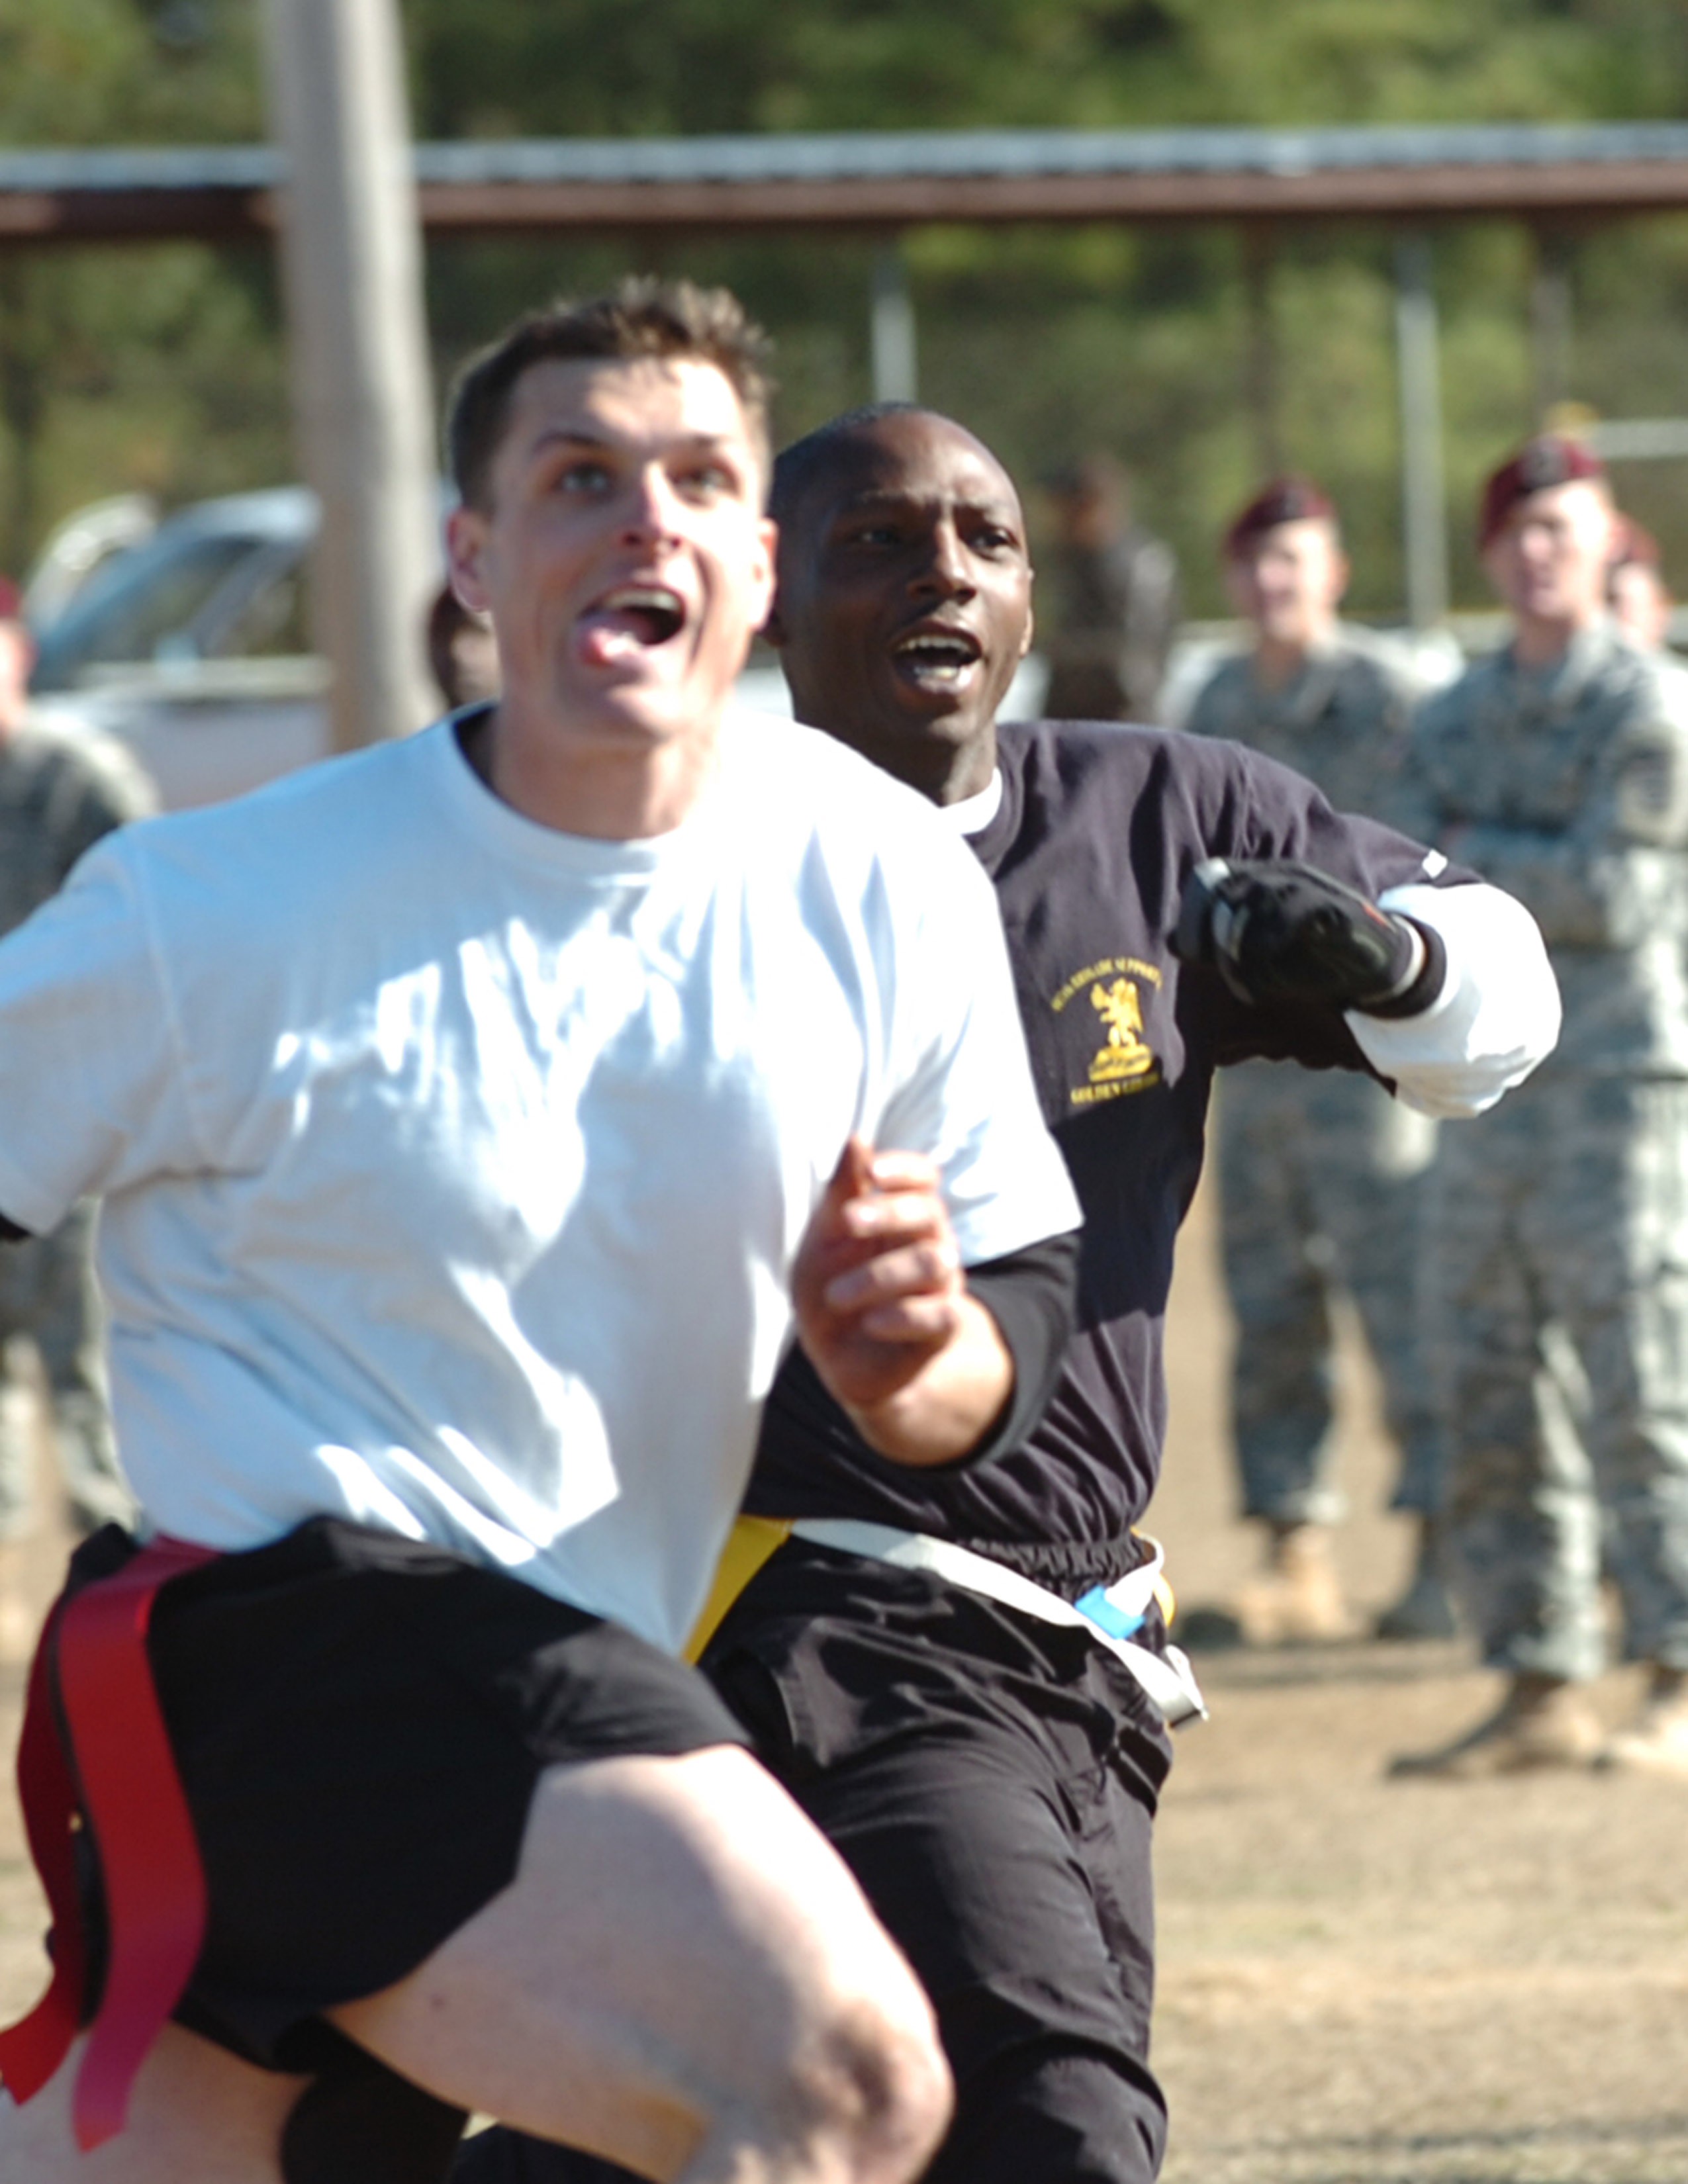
359	1721
992	1781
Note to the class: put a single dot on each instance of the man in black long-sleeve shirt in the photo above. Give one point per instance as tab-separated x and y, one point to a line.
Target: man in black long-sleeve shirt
987	1759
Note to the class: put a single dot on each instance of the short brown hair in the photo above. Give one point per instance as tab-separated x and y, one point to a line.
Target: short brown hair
644	316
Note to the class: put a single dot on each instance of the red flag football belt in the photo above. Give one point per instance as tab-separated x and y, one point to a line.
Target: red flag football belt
119	1779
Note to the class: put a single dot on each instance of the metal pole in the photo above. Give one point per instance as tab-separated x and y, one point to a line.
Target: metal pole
1423	496
895	372
1259	358
1549	323
363	406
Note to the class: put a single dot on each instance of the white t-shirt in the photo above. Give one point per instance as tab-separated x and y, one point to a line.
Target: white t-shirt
453	1168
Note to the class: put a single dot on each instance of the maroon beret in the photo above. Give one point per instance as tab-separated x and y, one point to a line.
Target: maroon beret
1285	500
1550	459
11	601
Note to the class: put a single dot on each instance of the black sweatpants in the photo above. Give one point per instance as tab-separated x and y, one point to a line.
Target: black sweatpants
992	1782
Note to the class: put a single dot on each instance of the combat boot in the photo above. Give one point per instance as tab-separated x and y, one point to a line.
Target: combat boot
1296	1600
1425	1609
1657	1742
1543	1721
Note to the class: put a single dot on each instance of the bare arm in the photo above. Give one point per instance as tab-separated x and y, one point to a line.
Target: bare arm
885	1315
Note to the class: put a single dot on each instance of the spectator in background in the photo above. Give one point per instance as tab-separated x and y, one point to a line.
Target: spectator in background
1558	768
463	653
58	794
1113	590
1322	1178
1637	596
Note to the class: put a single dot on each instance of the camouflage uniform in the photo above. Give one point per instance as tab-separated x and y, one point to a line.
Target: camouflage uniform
1561	1229
1322	1178
58	796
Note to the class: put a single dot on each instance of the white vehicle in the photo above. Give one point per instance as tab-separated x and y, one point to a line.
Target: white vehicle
76	548
191	649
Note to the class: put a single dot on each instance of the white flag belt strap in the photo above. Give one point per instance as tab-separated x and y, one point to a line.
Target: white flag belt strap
1167	1679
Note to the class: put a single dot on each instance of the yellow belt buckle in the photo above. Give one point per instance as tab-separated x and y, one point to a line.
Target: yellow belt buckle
752	1541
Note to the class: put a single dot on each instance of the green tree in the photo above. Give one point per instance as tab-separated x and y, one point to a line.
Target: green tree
1049	340
162	367
156	368
615	67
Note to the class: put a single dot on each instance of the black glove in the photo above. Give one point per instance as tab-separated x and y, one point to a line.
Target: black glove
1281	932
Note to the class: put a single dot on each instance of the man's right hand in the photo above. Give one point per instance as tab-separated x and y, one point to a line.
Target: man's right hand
885	1313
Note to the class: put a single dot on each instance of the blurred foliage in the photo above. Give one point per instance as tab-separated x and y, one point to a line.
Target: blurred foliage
158	368
128	71
632	67
162	367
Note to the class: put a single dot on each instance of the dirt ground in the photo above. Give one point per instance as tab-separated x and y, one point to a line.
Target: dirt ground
1362	1982
1373	1983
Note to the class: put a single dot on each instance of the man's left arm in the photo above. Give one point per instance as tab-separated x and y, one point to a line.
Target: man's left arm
932	1361
1447	991
1494	1016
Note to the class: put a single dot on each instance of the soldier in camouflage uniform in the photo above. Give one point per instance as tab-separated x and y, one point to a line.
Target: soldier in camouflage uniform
58	794
1322	1178
1111	605
1558	767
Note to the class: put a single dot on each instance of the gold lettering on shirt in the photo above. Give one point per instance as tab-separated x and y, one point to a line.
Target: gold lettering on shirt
1129	966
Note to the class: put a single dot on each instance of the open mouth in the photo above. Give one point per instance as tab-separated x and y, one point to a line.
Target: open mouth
938	659
630	619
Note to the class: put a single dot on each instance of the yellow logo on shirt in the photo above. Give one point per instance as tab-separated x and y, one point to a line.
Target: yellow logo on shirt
1125	1060
1124	1053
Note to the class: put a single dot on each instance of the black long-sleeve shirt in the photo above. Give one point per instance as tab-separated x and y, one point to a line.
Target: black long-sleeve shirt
1098	828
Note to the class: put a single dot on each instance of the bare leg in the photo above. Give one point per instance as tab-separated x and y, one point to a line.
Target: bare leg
198	2116
683	1976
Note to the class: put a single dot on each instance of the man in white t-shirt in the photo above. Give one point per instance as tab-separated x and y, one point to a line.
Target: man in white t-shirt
474	1118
